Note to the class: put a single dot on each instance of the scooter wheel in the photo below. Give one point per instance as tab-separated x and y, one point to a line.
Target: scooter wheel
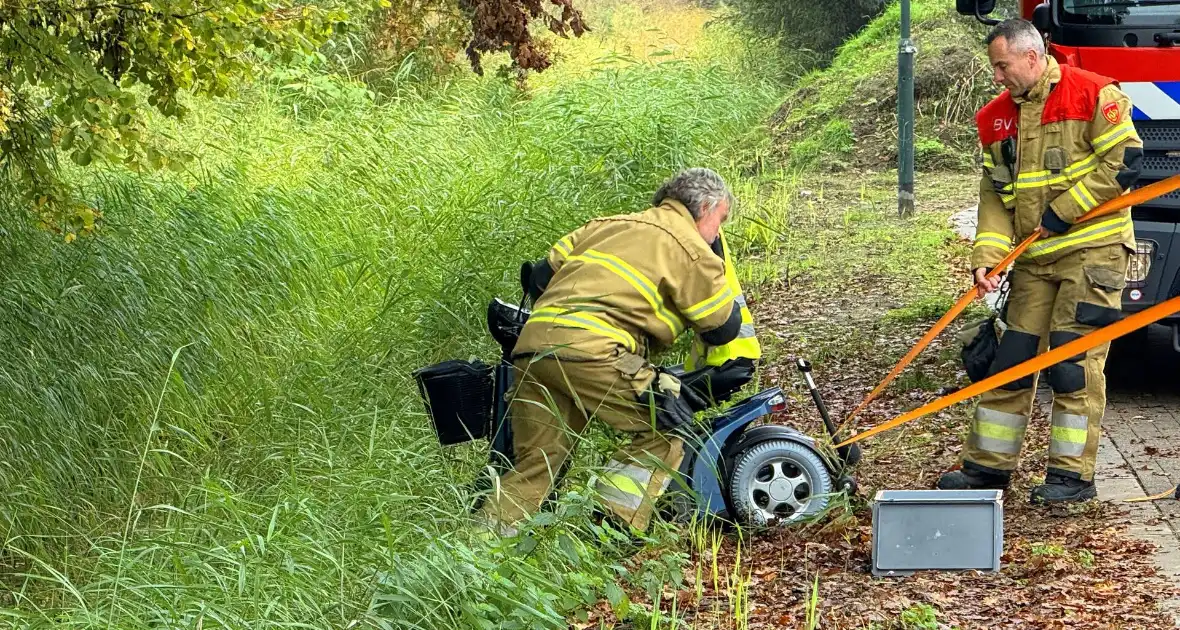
779	481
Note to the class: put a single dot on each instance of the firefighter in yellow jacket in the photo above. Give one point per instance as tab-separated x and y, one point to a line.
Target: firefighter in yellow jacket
745	348
1057	143
610	292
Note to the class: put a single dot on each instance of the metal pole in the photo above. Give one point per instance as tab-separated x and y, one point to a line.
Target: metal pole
905	116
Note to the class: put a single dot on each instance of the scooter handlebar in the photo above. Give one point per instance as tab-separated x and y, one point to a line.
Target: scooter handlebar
850	455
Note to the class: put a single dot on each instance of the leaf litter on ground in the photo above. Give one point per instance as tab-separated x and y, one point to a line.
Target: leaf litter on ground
1076	568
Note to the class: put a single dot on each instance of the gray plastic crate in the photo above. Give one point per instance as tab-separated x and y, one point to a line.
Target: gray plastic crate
946	530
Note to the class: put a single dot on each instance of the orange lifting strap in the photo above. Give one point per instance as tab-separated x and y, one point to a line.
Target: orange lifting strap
1036	364
1132	198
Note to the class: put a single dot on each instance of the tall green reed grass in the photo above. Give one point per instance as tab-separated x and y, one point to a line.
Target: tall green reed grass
207	418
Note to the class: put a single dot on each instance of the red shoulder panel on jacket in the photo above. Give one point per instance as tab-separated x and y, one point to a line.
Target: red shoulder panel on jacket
1075	97
997	120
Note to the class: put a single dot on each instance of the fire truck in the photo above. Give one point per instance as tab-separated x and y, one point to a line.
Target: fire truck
1137	43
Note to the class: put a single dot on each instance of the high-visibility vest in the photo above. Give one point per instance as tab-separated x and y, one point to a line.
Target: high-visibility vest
745	346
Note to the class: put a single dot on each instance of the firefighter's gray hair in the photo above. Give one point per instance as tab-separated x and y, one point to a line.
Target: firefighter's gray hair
699	189
1020	34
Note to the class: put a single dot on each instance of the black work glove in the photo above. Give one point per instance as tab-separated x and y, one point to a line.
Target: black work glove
1053	223
673	405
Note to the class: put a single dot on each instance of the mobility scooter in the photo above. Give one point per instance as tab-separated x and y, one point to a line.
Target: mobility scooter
733	470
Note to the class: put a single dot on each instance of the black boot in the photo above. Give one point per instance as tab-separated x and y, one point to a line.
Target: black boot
971	479
1061	489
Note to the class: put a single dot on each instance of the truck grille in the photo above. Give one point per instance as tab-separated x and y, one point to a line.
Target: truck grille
1161	159
1161	163
1159	134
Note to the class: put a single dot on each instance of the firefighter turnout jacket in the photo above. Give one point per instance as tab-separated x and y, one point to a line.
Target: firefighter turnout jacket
1051	155
633	282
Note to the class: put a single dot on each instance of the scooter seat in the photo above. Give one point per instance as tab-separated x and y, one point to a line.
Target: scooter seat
716	384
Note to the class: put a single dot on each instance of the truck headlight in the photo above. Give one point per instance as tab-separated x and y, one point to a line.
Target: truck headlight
1140	264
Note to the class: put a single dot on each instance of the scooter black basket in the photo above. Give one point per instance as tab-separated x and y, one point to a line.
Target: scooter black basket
458	396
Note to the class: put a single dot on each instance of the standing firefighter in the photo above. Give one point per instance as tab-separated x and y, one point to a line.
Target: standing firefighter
1056	144
611	291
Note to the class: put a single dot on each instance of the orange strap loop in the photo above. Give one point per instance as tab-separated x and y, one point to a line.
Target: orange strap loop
1166	494
1132	198
1032	366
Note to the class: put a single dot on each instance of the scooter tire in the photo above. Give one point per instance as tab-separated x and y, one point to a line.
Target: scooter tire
778	481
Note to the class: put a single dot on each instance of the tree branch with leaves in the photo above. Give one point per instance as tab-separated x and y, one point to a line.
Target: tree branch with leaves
77	78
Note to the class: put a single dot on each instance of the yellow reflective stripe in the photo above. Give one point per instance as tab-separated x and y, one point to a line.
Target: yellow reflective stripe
640	282
1036	179
988	162
1026	181
625	484
991	242
1089	195
1090	233
620	490
1082	166
1009	200
705	308
584	321
565	246
1082	195
1075	175
1108	140
1002	237
994	239
998	431
1072	436
740	348
746	344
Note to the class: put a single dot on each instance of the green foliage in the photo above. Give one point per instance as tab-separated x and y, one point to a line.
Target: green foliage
951	82
421	40
408	40
916	379
812	621
307	263
927	309
818	28
1050	550
560	563
933	154
308	90
80	77
919	617
832	145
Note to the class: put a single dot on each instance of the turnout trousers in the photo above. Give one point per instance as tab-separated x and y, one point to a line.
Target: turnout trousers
1050	305
552	402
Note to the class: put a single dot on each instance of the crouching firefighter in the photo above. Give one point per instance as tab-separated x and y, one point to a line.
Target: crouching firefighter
607	294
1056	144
